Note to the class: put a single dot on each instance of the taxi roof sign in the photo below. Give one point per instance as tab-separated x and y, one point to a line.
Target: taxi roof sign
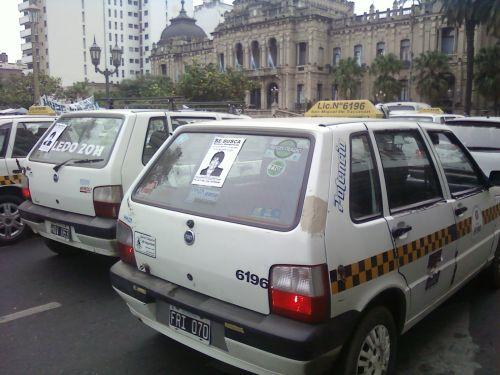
41	110
344	108
432	110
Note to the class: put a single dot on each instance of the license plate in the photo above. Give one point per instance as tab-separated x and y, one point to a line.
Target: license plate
189	324
61	230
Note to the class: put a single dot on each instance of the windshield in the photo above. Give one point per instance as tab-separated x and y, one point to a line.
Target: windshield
79	138
400	108
250	179
478	137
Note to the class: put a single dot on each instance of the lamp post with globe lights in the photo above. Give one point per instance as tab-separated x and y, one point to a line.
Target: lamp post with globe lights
116	59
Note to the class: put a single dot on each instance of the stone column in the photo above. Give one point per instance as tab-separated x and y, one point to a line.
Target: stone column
263	95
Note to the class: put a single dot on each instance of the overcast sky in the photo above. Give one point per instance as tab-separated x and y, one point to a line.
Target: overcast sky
10	40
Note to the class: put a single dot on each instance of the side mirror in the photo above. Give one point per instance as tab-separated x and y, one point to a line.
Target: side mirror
494	178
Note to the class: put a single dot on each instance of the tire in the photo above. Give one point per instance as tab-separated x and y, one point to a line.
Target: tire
12	229
377	324
60	248
493	271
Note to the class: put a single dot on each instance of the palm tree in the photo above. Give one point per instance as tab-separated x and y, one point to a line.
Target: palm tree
433	76
470	13
386	86
487	74
347	76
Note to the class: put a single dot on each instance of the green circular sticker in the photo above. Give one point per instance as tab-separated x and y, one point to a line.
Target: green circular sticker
285	148
276	168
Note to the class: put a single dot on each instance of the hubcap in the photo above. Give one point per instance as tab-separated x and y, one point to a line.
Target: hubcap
375	352
10	221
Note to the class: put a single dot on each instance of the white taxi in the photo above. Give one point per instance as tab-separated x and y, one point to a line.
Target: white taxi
278	245
77	173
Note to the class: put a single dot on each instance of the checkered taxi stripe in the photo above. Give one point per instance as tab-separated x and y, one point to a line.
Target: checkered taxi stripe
349	276
10	180
491	214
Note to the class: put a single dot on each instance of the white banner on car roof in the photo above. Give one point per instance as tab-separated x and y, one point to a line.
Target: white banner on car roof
58	107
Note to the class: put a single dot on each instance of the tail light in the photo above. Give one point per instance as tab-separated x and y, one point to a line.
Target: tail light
25	188
107	201
300	292
125	240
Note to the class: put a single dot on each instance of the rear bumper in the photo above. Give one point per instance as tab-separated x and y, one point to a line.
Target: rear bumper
89	233
243	338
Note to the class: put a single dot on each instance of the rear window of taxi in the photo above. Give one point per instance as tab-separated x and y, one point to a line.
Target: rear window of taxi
252	179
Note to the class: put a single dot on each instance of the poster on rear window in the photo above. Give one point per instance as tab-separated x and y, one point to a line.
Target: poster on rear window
218	161
52	137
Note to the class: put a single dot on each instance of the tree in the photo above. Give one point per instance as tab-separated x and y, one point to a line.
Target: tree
469	13
144	86
347	76
386	87
487	74
433	76
18	91
207	83
77	90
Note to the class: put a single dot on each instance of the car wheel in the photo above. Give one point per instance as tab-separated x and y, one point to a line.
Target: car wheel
372	348
12	229
494	270
60	248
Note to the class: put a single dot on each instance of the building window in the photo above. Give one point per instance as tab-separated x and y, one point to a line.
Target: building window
272	54
146	24
131	49
336	56
109	24
146	36
121	16
301	53
335	92
131	61
145	12
300	94
84	44
109	12
405	91
358	54
130	26
238	55
255	55
130	14
448	40
319	91
404	50
116	13
321	56
110	37
116	25
83	16
380	49
221	62
163	69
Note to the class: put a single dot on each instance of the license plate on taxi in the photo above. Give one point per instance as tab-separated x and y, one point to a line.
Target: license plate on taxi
61	230
189	324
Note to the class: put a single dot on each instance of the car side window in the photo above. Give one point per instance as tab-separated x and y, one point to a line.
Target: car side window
156	135
4	139
410	177
27	134
462	175
364	192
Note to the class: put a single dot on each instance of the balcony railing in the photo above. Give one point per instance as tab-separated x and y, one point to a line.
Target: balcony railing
26	46
24	20
25	33
23	6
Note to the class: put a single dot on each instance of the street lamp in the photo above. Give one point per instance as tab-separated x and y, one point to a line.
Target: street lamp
34	14
274	94
116	60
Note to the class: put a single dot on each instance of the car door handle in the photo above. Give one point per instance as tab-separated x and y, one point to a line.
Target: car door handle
398	232
460	210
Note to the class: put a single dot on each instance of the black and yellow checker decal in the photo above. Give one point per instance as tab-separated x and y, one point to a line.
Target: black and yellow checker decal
14	179
491	214
352	275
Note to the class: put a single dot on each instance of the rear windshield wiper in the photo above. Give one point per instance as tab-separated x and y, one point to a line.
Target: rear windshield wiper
75	161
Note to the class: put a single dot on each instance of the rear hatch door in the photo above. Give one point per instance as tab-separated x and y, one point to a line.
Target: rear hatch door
215	211
76	155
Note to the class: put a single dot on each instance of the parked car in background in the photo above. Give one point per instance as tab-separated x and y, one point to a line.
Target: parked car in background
18	134
77	173
481	135
272	245
427	117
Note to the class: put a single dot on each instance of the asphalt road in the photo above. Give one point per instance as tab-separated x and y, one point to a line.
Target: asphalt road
87	329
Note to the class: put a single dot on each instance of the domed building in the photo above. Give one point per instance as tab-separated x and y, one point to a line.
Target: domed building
181	43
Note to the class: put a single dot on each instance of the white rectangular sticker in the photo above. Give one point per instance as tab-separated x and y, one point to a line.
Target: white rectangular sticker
218	161
145	244
52	137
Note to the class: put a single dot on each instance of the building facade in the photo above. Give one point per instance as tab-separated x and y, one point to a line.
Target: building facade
66	30
10	70
291	46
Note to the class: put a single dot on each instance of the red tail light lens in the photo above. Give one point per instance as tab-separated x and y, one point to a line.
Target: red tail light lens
300	292
25	188
107	200
125	240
